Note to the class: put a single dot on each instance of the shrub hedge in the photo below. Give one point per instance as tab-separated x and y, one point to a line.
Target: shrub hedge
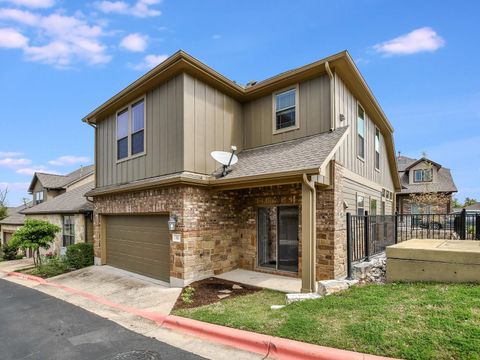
79	255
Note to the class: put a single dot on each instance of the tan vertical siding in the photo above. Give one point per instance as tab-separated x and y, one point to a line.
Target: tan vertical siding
346	104
352	188
212	121
163	139
313	107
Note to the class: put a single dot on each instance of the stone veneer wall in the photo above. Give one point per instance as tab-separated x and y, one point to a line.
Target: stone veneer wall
439	208
331	229
219	228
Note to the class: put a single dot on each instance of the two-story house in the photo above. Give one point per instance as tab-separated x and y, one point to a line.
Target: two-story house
60	200
313	143
424	176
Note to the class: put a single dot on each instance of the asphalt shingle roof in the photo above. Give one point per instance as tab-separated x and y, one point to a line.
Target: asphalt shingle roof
294	155
70	202
444	181
14	217
53	181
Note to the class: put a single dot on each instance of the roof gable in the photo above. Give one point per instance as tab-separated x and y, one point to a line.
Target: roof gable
55	181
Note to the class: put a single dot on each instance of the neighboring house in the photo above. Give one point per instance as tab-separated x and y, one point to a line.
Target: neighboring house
423	176
11	223
470	209
313	144
60	200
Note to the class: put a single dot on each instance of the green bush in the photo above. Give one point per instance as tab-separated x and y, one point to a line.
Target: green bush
51	267
10	251
79	255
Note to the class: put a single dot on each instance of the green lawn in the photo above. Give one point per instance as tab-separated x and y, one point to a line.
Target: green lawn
411	321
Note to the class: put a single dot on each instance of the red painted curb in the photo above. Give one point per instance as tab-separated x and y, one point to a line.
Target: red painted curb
275	347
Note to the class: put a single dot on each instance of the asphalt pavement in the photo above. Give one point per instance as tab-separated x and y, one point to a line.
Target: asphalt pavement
34	325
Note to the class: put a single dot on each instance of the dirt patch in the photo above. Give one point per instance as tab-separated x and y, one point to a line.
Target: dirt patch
212	290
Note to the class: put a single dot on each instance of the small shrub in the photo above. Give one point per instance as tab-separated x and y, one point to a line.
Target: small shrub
79	255
10	250
187	295
51	267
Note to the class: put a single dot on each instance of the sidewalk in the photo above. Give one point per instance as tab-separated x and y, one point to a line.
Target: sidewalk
208	340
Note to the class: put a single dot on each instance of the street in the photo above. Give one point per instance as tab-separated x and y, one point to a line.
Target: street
34	325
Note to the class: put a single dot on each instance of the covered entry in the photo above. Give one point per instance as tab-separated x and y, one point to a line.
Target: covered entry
139	244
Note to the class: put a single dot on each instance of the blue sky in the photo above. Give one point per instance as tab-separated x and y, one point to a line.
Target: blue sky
60	59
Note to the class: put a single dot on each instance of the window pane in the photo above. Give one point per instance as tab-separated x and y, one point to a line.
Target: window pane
285	119
360	205
361	146
138	116
418	175
267	237
122	124
288	238
122	148
373	207
285	100
377	141
428	175
377	160
137	142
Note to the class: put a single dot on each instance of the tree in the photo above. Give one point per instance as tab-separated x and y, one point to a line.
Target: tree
456	204
3	203
469	201
35	235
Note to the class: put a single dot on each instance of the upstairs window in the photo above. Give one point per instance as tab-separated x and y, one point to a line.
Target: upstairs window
38	197
377	149
68	230
131	130
360	205
285	104
423	175
360	132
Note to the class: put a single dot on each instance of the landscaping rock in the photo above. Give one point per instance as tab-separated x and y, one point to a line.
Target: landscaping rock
373	271
225	291
223	296
327	287
237	287
300	297
277	307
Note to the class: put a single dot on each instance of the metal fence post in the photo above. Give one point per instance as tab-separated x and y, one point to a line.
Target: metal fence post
477	227
349	246
463	225
395	227
366	236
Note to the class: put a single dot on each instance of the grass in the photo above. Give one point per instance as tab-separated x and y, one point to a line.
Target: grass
410	321
51	267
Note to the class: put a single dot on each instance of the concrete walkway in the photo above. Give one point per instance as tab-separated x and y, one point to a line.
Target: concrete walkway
268	281
14	265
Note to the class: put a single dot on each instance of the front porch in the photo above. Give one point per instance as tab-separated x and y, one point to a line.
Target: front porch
264	280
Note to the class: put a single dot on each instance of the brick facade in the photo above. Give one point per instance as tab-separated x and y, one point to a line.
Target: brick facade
219	228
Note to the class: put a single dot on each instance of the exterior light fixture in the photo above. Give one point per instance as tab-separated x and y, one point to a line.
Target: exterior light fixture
172	222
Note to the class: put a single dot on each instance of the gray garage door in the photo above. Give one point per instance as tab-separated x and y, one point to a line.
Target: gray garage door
139	244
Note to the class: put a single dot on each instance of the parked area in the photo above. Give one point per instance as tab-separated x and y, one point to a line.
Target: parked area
409	321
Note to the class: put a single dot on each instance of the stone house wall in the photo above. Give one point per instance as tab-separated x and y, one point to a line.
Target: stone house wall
405	205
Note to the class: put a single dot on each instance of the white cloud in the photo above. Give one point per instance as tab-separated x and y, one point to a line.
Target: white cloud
14	162
134	42
31	3
141	8
69	160
149	62
10	154
15	186
32	170
419	40
64	39
12	39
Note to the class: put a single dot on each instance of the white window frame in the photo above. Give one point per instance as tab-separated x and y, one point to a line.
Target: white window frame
423	177
274	110
39	197
364	132
375	143
130	127
358	195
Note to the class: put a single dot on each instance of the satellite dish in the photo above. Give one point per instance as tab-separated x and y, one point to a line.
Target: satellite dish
225	158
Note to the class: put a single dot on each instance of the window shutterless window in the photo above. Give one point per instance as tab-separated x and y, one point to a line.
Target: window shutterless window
68	230
38	197
423	175
360	205
373	207
377	149
360	132
285	106
131	130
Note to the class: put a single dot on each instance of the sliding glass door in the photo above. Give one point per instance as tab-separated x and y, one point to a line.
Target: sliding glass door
277	235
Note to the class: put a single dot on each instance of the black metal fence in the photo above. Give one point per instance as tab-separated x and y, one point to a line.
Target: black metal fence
369	235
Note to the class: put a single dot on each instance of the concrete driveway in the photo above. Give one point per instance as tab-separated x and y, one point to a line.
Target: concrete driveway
122	288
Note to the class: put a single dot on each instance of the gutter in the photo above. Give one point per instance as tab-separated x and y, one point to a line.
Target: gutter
332	95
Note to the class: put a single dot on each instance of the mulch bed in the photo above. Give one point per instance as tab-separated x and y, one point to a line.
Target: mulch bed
207	292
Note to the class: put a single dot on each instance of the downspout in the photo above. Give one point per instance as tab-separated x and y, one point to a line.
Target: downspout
332	95
309	283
